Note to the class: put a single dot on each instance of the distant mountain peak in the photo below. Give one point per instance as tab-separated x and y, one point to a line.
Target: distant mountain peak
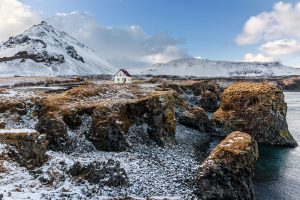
45	50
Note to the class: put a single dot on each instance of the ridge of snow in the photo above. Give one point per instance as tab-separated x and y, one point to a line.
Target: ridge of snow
48	42
209	68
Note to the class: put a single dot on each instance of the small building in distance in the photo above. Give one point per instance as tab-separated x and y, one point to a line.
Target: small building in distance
123	76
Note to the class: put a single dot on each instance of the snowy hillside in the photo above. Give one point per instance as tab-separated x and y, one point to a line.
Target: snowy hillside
42	50
207	68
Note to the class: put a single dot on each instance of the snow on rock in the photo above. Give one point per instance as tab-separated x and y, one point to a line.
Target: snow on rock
208	68
42	50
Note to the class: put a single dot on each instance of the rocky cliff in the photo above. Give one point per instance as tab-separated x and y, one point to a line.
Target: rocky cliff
25	146
256	108
227	172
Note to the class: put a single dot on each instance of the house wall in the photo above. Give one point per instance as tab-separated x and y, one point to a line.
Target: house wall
119	79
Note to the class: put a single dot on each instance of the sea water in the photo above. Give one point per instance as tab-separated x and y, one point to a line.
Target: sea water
277	174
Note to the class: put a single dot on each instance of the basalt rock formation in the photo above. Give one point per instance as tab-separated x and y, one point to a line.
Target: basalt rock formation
55	130
27	147
227	172
110	125
103	173
205	94
196	118
255	108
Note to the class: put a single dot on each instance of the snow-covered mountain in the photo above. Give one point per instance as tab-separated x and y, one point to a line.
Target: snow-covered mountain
42	50
208	68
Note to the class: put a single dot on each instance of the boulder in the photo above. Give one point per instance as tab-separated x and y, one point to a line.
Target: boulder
196	118
25	146
227	172
102	173
256	108
55	130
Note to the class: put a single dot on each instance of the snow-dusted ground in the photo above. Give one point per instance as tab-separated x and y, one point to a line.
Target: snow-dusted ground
208	68
153	171
157	172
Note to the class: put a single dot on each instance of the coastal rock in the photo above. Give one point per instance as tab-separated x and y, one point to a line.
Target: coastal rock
25	146
55	130
110	125
205	94
196	118
256	108
102	173
227	172
209	101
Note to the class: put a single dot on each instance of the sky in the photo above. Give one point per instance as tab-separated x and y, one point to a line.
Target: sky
138	32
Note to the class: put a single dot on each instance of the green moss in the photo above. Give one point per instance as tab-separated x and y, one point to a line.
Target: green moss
284	133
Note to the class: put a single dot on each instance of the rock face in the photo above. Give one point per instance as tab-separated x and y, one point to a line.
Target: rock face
55	130
205	94
103	173
110	125
196	118
256	108
227	172
209	101
25	146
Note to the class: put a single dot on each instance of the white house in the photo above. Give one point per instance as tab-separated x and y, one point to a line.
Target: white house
122	76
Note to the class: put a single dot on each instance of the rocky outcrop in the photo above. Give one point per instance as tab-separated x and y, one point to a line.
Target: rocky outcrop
256	108
102	173
227	172
205	94
196	118
110	125
55	130
209	101
25	146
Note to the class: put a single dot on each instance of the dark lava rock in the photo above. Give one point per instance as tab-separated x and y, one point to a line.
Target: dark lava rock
255	108
103	173
110	125
55	130
72	119
227	172
27	147
209	101
196	118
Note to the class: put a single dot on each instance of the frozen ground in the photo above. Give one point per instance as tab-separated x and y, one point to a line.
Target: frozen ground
153	171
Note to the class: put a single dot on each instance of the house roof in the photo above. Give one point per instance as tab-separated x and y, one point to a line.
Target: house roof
124	71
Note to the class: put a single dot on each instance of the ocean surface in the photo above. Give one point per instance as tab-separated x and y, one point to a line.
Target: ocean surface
277	174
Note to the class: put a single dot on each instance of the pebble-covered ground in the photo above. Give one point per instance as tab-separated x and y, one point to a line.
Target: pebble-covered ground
153	171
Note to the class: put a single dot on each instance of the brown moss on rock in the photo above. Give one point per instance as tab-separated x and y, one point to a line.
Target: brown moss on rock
256	108
227	172
110	125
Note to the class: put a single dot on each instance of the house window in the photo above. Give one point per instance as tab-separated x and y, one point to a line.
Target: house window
118	79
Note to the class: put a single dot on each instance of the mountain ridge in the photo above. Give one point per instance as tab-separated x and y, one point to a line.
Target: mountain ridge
210	68
44	50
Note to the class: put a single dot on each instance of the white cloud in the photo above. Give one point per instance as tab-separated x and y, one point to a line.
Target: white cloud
15	17
281	22
276	32
121	45
249	57
281	47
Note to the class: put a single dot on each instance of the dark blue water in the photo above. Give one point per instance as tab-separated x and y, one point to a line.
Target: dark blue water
277	175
